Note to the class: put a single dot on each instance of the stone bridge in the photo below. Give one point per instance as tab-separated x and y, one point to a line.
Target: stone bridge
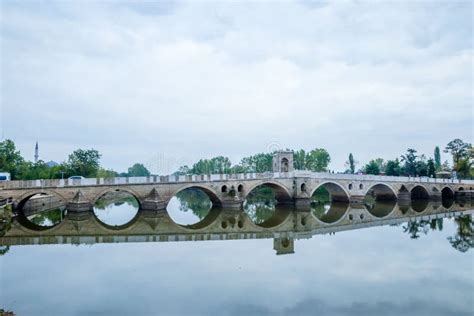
229	191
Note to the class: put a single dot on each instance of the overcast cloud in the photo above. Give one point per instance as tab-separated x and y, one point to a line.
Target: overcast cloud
167	84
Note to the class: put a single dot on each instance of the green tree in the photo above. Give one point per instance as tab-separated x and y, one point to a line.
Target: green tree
104	173
381	164
437	159
84	163
372	168
458	149
463	157
464	167
410	162
317	160
421	168
220	165
350	164
393	168
138	170
10	158
299	159
183	170
445	166
431	168
262	162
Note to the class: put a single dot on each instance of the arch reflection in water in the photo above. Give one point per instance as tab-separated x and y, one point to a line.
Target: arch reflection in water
419	205
260	204
325	208
116	208
189	206
77	228
381	208
42	210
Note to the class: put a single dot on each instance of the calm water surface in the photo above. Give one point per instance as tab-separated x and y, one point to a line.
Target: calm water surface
409	269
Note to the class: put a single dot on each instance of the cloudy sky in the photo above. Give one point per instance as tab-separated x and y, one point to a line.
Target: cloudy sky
166	84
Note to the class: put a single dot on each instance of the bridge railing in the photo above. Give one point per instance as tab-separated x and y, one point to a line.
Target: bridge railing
52	183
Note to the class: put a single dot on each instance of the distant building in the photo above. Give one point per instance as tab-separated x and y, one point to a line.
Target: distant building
52	164
36	152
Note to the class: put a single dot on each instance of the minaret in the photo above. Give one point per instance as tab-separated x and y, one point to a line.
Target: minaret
36	152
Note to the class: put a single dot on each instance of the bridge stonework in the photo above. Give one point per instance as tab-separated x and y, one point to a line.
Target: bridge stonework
229	191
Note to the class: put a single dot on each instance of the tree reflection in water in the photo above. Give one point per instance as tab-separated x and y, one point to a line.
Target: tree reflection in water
115	199
462	241
324	208
116	208
464	238
194	200
260	204
48	218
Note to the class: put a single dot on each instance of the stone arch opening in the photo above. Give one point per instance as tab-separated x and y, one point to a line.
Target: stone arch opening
361	186
224	189
303	187
266	189
329	202
350	186
240	188
41	210
285	165
447	193
380	200
190	205
116	208
117	193
419	193
263	203
216	202
381	192
335	191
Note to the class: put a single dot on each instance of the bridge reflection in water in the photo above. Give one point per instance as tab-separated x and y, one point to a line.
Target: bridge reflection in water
260	218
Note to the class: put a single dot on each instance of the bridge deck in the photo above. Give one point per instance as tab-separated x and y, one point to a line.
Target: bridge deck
59	183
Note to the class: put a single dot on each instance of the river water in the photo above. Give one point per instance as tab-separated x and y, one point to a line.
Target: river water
411	266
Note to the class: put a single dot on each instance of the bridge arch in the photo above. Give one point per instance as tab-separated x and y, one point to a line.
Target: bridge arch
211	193
282	194
20	201
419	192
381	191
336	191
121	189
447	193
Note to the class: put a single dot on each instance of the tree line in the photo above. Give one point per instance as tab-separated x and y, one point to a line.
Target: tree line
412	164
316	160
81	162
86	163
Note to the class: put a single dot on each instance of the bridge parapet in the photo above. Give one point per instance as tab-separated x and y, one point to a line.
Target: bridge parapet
60	183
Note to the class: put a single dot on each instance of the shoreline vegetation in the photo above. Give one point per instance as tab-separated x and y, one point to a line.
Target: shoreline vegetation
86	163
